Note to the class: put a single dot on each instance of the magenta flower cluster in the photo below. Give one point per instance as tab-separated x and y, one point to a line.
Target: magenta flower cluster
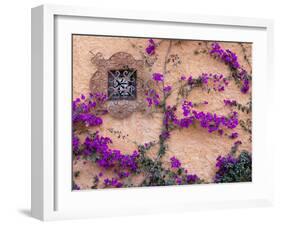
106	157
167	89
152	98
218	81
183	78
223	160
169	114
210	121
83	109
226	56
158	77
175	163
187	179
234	168
75	144
222	163
112	183
230	102
150	49
242	75
184	178
234	135
231	60
191	178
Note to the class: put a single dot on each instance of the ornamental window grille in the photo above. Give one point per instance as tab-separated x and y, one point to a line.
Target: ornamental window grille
122	84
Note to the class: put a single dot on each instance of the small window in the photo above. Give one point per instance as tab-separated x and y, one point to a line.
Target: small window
122	84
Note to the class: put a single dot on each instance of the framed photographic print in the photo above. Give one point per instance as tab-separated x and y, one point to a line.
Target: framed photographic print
143	113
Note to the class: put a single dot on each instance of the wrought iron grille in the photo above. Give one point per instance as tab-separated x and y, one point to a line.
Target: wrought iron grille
122	84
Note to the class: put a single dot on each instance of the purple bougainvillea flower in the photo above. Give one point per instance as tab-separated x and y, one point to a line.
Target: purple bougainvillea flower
158	77
178	181
230	102
151	41
226	56
245	88
183	78
204	78
165	135
169	115
83	110
222	161
113	182
167	89
210	121
109	158
107	182
175	163
233	135
237	143
186	107
216	49
192	178
98	121
75	144
119	185
218	81
231	59
150	49
149	101
152	98
190	80
221	88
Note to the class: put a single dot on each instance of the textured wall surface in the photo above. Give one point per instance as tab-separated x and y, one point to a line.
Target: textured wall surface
195	147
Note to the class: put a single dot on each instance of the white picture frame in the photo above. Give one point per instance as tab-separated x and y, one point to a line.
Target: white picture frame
51	197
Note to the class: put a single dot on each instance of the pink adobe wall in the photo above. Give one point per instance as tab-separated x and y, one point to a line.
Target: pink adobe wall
195	147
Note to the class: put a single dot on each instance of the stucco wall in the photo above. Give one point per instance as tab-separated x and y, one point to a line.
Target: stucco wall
195	147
